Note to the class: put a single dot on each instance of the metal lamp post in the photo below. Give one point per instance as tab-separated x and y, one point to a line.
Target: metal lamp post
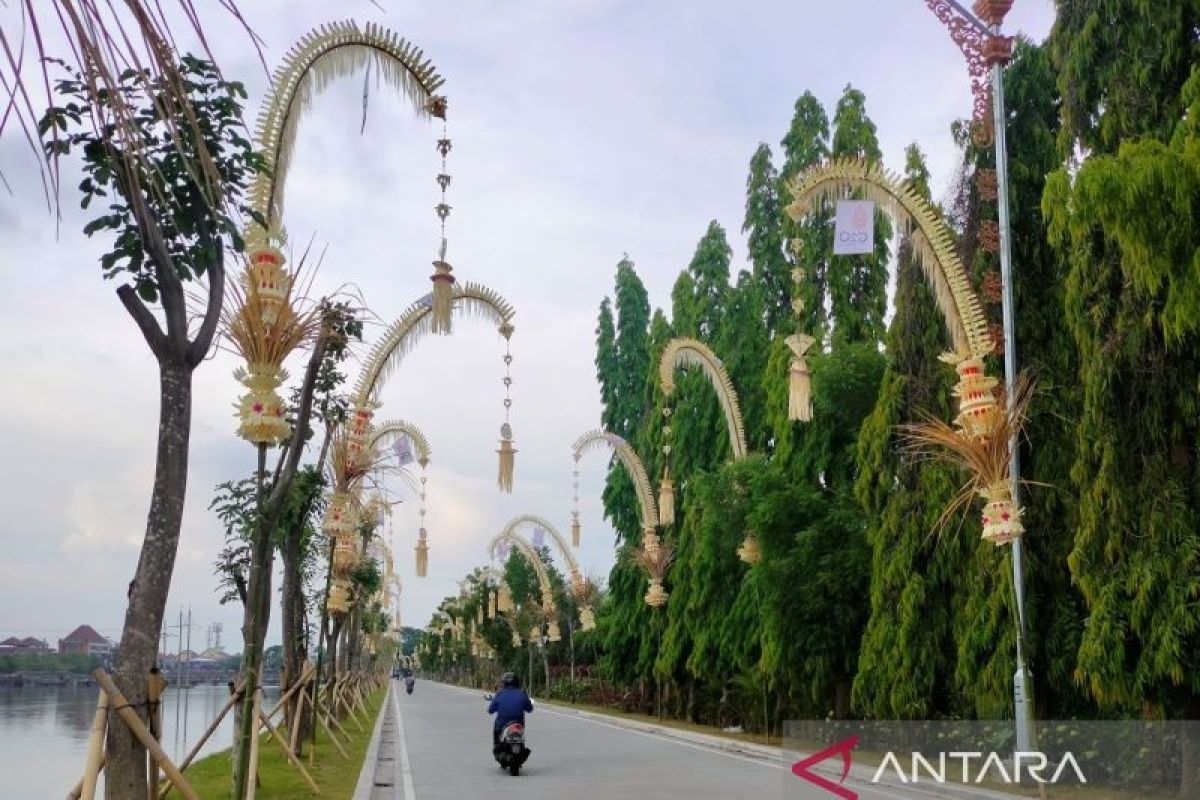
987	51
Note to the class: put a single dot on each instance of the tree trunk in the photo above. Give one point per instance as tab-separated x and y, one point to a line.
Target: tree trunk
125	761
256	616
293	627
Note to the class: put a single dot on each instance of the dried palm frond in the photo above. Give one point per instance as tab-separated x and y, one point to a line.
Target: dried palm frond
985	460
322	56
632	463
106	40
258	343
655	561
684	352
403	334
932	240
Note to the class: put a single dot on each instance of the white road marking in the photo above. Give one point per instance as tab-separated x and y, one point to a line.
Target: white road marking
406	773
665	738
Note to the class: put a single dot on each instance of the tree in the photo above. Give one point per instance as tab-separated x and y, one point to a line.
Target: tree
1124	220
808	242
858	284
906	663
171	225
763	225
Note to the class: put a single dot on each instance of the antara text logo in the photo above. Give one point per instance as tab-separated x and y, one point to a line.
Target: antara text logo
952	767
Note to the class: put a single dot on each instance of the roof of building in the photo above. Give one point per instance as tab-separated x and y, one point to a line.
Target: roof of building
85	633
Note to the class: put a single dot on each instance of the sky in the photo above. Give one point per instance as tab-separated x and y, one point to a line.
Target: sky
582	131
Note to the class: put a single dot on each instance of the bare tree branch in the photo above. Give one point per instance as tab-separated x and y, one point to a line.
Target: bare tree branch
199	347
146	322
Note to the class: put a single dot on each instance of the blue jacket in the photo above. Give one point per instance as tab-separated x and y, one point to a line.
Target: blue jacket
510	705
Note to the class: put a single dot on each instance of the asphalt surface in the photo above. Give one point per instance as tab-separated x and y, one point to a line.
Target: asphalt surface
443	734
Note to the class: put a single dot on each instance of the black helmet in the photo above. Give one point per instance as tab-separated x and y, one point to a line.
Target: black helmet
509	679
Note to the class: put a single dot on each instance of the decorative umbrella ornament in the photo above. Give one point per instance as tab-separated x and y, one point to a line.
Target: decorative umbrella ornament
984	459
263	326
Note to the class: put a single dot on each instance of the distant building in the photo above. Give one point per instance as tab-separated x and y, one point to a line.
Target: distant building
86	641
27	645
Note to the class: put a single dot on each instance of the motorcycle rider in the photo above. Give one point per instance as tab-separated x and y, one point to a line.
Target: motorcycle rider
510	704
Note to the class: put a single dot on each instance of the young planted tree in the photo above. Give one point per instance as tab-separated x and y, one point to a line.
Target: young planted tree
167	156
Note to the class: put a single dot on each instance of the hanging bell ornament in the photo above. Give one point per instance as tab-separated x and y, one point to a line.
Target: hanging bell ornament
750	552
656	596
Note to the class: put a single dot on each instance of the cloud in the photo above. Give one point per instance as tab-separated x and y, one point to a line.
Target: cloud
581	131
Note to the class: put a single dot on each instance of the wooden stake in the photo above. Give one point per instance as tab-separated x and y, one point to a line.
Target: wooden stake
75	793
297	716
134	723
333	738
302	682
91	767
212	727
290	754
155	684
252	779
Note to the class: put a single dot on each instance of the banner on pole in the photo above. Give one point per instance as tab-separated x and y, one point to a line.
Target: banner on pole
854	228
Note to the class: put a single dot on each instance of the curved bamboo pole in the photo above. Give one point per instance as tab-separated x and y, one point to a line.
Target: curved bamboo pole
416	321
632	463
932	239
684	352
316	60
399	427
576	575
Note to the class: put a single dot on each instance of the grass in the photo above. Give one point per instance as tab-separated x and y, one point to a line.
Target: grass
279	780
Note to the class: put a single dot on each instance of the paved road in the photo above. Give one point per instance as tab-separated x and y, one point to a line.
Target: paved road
447	735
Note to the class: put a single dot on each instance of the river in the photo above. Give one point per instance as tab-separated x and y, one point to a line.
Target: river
44	732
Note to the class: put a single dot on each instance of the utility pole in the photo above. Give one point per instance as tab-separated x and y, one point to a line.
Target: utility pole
984	45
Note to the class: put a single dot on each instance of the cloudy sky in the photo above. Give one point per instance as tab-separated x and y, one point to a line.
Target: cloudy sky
582	130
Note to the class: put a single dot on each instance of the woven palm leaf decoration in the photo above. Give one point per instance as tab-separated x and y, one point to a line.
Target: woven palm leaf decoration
633	465
984	427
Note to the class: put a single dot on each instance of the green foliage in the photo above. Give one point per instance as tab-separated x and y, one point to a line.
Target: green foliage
164	177
1125	222
858	284
763	225
75	663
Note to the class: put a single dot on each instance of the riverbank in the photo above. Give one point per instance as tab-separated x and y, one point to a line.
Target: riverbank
279	780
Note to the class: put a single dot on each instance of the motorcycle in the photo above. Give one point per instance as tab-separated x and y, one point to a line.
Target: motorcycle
409	682
510	751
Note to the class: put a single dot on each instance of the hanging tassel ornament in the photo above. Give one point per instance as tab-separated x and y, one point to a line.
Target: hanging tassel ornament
552	632
799	378
666	488
507	452
750	552
443	280
576	533
666	499
516	639
507	458
504	599
491	605
422	554
587	618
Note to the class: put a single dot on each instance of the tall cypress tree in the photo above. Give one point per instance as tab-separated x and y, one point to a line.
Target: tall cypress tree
1126	223
858	284
763	225
807	243
744	346
906	664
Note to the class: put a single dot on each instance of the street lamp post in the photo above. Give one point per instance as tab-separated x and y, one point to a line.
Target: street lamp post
984	46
